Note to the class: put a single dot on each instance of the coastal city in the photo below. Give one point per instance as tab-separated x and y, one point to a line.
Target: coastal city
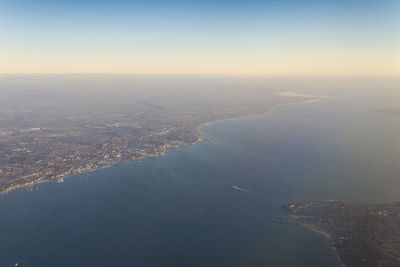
362	235
46	136
44	158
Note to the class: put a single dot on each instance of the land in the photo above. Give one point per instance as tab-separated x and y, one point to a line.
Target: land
362	235
54	126
391	111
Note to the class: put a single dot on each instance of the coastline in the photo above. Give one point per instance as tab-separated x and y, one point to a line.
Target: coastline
318	230
202	137
60	178
326	234
291	93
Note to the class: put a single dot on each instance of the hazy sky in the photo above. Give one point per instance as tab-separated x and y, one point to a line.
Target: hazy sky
285	37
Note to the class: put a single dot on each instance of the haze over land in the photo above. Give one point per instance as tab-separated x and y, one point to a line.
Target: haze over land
168	210
59	125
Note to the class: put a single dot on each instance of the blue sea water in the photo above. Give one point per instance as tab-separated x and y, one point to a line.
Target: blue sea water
181	209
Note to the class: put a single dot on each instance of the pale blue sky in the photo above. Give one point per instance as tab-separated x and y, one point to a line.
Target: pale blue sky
248	37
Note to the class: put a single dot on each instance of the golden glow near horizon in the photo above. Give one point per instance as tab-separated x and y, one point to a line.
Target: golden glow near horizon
293	41
278	62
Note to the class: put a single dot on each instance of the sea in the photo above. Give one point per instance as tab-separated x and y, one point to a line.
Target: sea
211	204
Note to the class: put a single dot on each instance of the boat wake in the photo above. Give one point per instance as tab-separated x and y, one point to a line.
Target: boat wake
235	187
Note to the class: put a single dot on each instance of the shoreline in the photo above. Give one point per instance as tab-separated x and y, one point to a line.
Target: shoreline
318	230
60	178
291	93
202	137
327	235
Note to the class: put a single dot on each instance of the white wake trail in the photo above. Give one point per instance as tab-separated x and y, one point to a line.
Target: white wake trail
242	189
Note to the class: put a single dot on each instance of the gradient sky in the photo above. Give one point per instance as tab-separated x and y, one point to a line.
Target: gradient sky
281	37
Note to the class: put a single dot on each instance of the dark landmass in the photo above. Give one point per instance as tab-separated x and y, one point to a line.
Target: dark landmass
391	111
53	126
362	235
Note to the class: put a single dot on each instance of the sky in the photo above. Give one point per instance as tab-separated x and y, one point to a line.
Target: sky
276	37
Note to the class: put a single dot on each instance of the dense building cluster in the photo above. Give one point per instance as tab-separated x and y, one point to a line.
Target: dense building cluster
43	155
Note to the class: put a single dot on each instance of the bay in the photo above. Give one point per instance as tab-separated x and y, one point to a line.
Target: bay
188	209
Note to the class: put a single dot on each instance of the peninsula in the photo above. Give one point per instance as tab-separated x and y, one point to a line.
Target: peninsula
362	235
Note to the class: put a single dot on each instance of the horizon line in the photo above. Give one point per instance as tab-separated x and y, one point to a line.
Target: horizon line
206	74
